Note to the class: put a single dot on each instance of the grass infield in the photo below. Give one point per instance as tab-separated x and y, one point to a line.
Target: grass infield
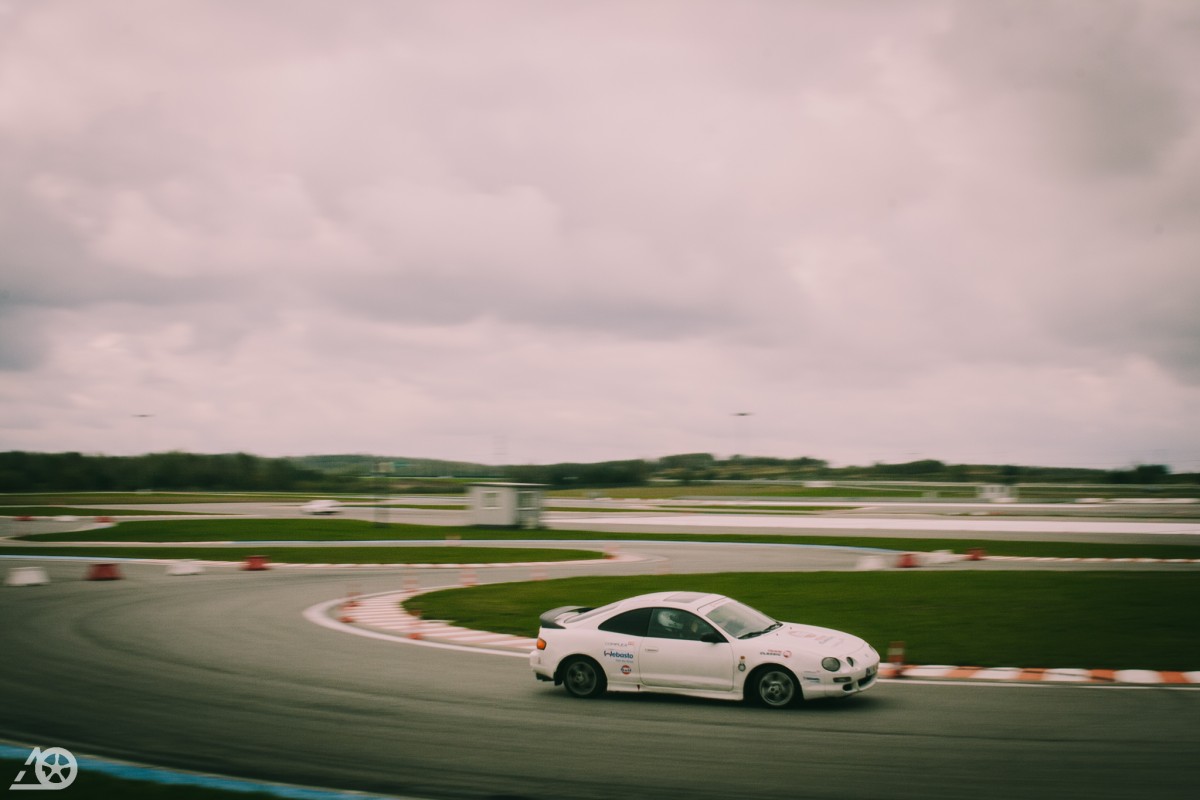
82	513
157	498
1093	620
320	555
332	530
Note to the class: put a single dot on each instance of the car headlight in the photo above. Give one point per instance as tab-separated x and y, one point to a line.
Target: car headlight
830	663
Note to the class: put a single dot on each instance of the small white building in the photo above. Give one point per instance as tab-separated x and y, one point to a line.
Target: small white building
997	493
506	505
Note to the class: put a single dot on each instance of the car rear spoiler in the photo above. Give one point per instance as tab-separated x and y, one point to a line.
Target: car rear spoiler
549	619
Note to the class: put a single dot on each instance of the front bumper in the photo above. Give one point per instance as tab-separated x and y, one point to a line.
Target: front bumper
844	682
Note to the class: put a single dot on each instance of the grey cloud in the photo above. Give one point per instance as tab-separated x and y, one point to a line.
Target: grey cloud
1103	77
23	339
835	207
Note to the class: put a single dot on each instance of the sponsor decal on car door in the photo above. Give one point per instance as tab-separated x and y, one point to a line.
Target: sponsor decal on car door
621	646
620	660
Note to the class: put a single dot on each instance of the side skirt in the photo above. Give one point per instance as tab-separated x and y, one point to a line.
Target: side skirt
638	688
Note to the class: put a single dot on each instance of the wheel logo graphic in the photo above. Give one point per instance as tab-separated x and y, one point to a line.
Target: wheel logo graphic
54	768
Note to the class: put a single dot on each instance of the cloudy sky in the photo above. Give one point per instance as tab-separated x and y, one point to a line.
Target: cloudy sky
511	231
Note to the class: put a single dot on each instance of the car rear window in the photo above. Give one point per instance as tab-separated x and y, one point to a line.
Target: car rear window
631	623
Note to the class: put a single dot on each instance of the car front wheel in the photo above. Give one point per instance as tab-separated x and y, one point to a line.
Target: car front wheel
583	677
776	687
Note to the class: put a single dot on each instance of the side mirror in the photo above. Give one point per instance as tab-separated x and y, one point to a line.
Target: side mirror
712	638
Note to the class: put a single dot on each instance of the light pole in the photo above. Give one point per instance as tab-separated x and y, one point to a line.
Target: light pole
383	470
149	453
737	443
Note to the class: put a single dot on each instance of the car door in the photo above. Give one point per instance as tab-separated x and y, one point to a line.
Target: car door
674	655
621	639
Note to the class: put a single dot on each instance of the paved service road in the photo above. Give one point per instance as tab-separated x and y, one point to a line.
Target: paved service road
220	672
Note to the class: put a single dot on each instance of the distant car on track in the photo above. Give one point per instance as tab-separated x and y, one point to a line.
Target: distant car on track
704	645
321	507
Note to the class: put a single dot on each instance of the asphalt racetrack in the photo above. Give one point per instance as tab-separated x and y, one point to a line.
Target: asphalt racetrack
222	673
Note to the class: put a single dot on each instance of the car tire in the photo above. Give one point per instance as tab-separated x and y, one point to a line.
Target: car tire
774	687
582	677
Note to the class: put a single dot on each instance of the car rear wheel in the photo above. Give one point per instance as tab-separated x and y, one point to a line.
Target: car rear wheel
776	687
583	677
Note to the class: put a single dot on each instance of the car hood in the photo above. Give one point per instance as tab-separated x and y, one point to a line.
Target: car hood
811	639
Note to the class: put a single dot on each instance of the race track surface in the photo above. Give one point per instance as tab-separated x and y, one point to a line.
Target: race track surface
221	673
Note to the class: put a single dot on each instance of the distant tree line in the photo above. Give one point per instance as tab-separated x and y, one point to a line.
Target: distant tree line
174	471
701	467
177	471
566	476
933	470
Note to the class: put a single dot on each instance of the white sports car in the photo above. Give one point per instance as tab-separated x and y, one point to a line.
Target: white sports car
705	645
321	507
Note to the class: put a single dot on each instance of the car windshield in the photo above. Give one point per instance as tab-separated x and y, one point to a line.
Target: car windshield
739	620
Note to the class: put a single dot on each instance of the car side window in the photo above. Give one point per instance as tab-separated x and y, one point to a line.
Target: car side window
630	623
675	623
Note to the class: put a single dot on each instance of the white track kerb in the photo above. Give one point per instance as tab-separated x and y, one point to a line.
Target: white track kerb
389	622
382	616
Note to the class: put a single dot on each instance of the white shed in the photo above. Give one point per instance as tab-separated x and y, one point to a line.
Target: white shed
997	493
507	505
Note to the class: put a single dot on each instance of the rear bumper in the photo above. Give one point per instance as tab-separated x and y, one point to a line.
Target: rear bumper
541	670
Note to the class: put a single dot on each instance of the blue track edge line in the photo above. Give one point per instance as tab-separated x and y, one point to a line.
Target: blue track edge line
171	777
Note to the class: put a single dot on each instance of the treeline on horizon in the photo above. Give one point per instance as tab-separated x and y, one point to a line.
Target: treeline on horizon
178	471
174	471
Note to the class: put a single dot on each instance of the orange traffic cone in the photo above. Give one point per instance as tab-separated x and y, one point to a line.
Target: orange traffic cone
895	660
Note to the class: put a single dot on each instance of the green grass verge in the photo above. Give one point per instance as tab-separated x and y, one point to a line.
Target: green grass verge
319	555
73	511
417	506
777	509
1095	620
332	530
759	490
246	528
144	498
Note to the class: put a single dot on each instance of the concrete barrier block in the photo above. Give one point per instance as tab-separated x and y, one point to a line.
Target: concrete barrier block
26	576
